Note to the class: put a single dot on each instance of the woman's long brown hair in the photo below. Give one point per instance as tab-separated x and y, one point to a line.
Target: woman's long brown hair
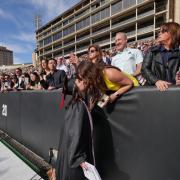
87	72
174	29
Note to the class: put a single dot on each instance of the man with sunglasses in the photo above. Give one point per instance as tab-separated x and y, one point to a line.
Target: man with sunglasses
162	63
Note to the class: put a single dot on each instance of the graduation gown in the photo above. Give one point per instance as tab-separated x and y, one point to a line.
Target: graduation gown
75	144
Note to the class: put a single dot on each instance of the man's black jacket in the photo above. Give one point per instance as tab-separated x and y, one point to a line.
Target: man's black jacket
55	80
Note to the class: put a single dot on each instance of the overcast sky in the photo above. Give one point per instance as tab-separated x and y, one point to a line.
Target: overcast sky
17	30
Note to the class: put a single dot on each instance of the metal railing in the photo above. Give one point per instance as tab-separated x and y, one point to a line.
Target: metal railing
124	22
101	30
145	29
82	37
145	14
82	48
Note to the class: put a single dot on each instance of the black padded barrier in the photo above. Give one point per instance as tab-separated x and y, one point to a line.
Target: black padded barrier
136	138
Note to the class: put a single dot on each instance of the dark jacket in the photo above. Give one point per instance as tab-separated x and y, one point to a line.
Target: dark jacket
75	145
56	79
155	68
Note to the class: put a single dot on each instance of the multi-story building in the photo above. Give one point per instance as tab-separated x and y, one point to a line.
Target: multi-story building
6	56
97	21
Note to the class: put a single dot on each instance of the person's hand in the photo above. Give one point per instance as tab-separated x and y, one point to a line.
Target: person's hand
51	174
73	59
41	78
162	85
14	89
4	90
91	104
51	88
178	78
28	86
83	165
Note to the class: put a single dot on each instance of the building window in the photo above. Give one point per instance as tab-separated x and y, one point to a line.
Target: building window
57	36
117	7
71	19
46	33
82	24
57	46
83	35
48	40
82	13
70	41
104	2
69	30
41	43
161	5
128	3
105	13
57	27
47	50
69	50
65	22
96	17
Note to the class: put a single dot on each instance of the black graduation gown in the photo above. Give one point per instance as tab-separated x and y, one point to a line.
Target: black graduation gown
75	144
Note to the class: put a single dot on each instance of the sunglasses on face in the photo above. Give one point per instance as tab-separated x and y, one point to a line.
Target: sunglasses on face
79	78
163	31
92	51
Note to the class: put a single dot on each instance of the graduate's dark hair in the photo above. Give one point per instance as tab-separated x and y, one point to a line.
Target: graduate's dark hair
86	71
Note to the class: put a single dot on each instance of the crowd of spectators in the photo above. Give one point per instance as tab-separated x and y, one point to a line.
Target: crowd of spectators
128	57
31	78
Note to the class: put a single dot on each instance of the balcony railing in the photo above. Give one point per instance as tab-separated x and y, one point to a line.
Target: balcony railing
160	8
48	51
145	29
131	33
57	47
82	37
124	22
145	14
68	43
103	41
82	48
101	30
140	1
82	14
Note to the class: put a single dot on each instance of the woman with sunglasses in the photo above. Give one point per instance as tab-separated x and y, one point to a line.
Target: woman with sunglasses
116	81
161	64
76	142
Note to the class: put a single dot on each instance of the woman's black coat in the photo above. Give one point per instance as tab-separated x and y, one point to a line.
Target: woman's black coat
154	68
75	144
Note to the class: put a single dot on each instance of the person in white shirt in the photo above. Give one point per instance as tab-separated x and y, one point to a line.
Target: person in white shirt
127	59
61	65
